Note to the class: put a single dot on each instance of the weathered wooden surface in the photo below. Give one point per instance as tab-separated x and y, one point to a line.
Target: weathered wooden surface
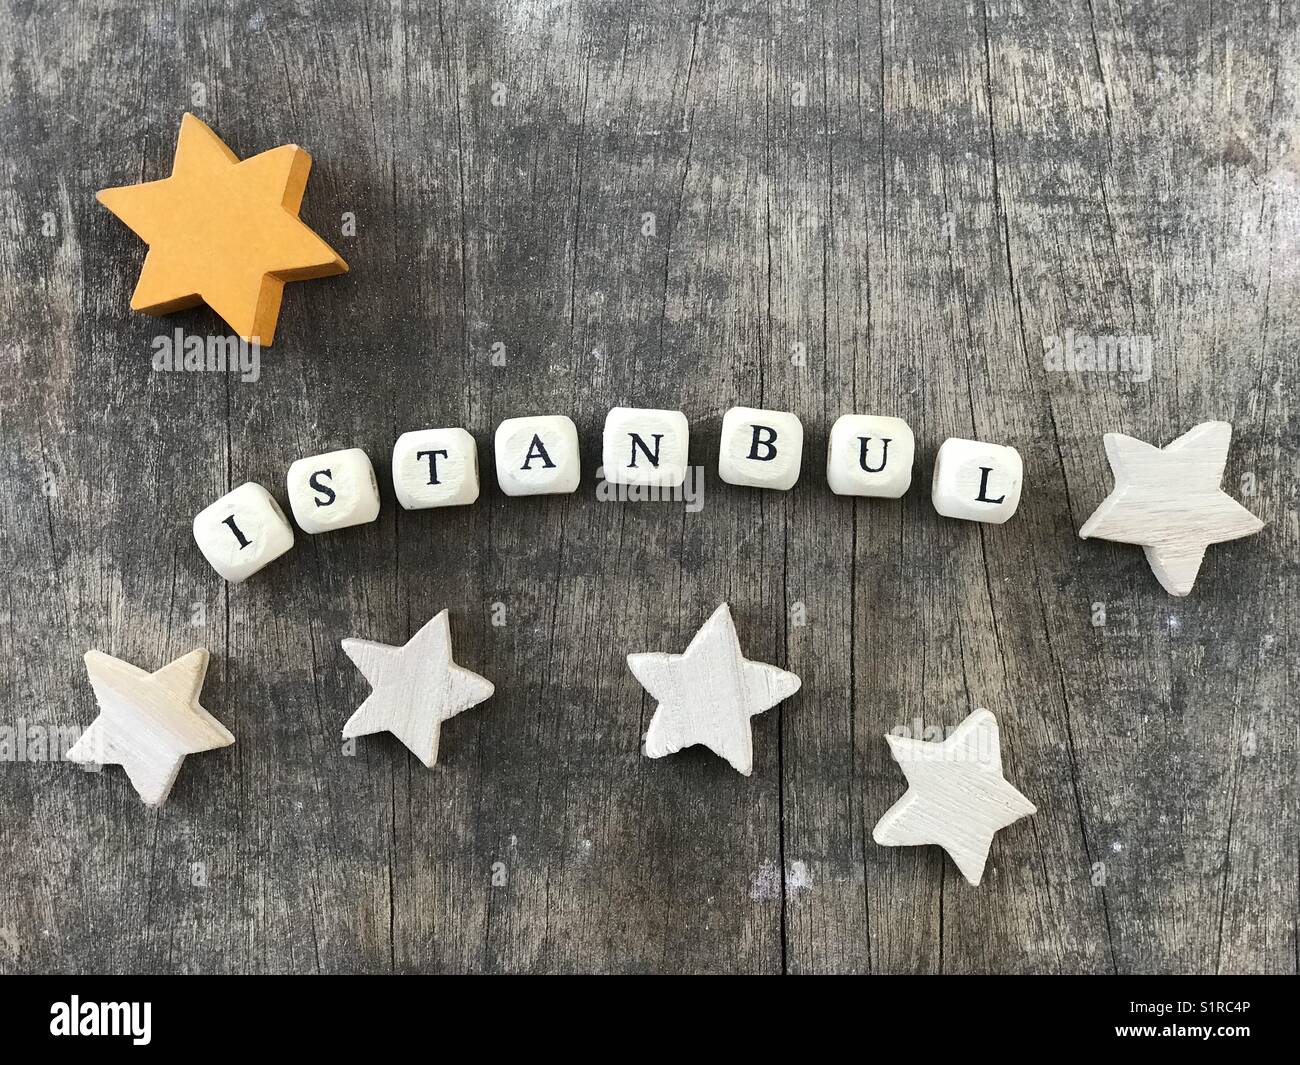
909	196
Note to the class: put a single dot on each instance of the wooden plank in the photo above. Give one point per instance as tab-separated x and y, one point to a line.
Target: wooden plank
821	208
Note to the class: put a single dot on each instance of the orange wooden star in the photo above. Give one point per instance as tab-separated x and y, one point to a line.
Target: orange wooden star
223	232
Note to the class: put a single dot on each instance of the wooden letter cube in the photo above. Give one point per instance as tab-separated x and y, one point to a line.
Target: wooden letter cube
870	456
644	446
538	455
760	448
435	468
242	531
976	481
333	491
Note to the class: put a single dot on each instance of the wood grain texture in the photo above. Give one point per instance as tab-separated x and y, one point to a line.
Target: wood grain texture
882	208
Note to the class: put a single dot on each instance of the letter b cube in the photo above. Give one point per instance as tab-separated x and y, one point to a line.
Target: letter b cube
760	448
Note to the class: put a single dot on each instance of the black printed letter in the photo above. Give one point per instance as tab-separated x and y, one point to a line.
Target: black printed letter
884	454
315	482
433	463
638	442
769	443
537	451
984	485
243	543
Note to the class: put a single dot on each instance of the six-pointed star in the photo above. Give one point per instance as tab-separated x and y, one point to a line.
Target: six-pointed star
708	694
416	687
956	795
1170	501
148	722
223	232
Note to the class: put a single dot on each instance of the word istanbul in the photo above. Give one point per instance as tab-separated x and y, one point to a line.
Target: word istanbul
868	456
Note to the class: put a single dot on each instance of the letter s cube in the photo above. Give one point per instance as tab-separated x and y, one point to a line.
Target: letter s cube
333	491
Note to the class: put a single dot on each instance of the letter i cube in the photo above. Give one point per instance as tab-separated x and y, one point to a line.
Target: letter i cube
242	532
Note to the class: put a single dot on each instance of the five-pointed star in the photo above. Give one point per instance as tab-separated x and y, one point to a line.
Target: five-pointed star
416	687
956	795
223	232
708	694
1170	501
148	722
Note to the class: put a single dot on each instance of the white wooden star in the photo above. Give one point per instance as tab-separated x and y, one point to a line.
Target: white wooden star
148	722
1170	500
956	795
708	694
416	687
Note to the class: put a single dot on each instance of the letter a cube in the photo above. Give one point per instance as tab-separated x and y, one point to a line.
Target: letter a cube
537	456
